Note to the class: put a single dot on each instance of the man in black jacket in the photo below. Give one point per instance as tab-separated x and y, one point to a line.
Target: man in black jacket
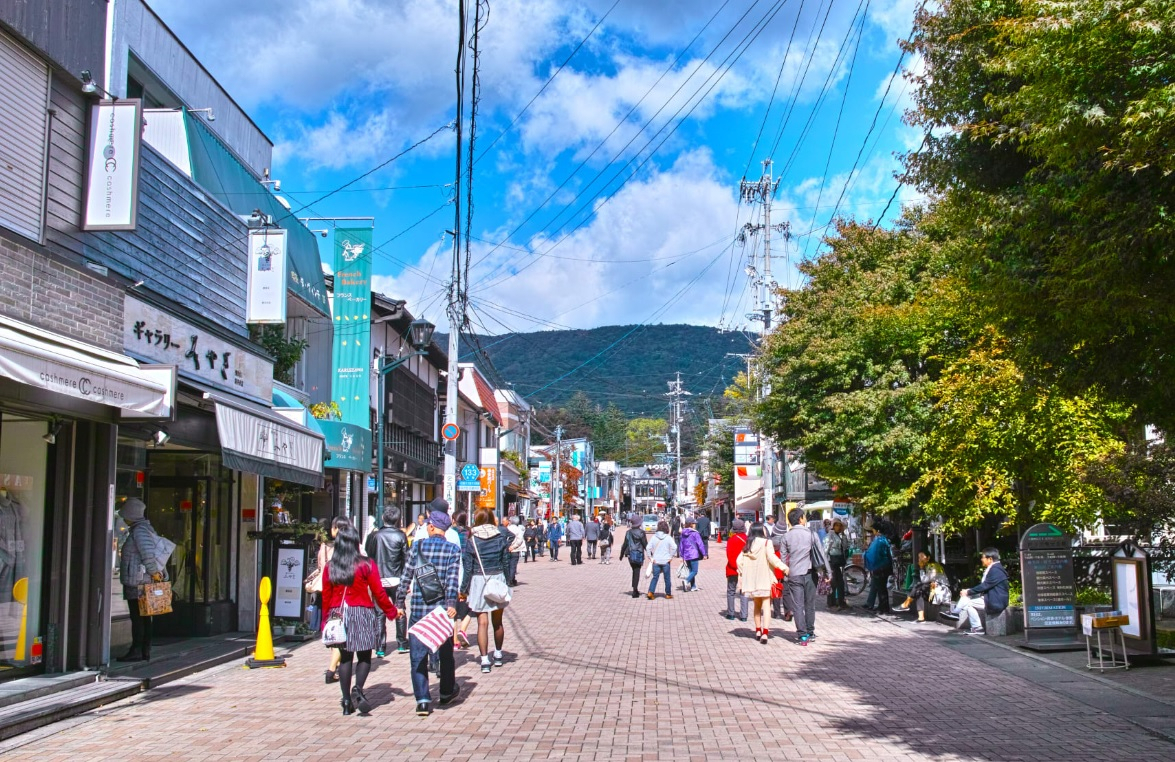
991	593
388	547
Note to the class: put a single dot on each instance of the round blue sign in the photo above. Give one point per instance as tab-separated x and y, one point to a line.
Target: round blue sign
450	431
469	472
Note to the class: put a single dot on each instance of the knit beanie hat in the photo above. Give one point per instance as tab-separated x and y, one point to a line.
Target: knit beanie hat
133	510
738	525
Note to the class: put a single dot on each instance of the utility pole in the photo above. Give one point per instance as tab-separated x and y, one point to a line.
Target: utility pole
676	393
557	486
763	290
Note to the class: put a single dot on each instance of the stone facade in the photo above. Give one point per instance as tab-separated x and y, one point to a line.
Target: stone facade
43	292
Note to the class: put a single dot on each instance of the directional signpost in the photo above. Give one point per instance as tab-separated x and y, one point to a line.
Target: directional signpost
470	480
1050	595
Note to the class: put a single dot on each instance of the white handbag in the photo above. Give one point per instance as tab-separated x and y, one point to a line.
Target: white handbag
496	591
334	632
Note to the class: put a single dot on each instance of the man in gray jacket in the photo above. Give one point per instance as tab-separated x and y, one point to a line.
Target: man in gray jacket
803	555
575	534
592	535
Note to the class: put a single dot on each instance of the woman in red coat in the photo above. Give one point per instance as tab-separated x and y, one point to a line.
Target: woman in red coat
351	588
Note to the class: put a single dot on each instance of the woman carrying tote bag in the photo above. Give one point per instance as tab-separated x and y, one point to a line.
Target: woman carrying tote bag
484	561
138	564
351	588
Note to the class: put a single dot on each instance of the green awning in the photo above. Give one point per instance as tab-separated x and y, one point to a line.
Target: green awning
219	172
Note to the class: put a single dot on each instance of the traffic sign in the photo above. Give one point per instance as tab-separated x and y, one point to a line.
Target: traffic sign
470	472
468	486
450	431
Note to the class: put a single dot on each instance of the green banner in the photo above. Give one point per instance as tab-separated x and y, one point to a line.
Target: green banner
352	318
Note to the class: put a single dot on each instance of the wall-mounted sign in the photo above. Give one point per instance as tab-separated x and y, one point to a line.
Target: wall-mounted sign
348	447
746	446
112	176
352	319
267	277
153	334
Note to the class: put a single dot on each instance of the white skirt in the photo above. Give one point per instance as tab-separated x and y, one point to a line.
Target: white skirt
477	602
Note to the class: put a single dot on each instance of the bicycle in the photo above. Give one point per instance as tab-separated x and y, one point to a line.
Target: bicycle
857	577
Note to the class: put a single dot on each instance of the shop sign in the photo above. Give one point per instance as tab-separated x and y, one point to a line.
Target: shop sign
290	574
112	178
268	261
265	440
352	318
348	447
489	488
746	446
153	334
1046	568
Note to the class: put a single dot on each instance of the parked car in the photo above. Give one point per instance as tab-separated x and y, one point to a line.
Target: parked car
649	523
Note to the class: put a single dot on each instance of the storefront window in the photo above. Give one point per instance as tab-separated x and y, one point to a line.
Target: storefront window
24	458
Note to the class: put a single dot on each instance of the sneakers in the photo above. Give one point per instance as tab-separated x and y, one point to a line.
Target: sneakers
423	709
402	650
463	638
804	639
498	659
486	667
975	631
380	654
903	608
449	698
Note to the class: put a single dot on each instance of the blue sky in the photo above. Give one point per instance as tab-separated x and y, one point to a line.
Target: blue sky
611	197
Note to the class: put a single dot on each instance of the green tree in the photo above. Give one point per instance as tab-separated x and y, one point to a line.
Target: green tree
643	438
1050	125
1003	444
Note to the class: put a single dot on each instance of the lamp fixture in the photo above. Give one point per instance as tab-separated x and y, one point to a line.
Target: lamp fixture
207	110
54	429
88	83
420	333
160	438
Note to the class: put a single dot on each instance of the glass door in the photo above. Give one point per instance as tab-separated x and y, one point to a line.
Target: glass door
178	507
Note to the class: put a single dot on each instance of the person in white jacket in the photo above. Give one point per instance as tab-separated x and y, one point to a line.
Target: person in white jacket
661	550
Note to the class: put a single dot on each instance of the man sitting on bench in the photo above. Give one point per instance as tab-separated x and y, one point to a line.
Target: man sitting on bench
991	594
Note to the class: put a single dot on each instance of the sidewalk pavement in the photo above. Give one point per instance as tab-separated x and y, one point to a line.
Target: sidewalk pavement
593	674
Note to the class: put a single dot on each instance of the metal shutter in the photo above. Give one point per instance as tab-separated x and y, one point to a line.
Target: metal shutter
24	98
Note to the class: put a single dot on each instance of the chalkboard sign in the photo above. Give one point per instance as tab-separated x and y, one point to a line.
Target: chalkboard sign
1046	569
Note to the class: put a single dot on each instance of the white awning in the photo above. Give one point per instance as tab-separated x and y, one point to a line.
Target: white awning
47	360
259	440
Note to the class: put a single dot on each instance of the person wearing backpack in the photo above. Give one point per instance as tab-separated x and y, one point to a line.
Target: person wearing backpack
879	563
138	564
634	547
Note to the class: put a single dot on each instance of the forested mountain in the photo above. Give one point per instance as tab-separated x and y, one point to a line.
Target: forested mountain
626	365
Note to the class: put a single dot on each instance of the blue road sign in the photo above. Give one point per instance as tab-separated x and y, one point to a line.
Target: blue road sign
470	472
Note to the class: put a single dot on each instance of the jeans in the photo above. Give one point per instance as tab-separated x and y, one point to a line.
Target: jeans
592	548
690	581
837	596
969	607
801	589
658	570
512	571
554	550
576	551
879	591
732	595
418	654
381	643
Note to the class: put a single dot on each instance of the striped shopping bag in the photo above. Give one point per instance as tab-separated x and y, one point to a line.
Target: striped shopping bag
434	629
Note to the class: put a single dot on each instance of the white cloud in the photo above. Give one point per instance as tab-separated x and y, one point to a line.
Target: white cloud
643	257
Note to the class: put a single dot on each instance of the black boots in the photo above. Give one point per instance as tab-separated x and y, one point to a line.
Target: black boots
135	653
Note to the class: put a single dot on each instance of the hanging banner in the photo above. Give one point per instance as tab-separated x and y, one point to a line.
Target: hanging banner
112	176
267	277
488	478
352	319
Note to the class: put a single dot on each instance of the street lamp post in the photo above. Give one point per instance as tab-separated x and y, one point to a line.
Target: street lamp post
420	336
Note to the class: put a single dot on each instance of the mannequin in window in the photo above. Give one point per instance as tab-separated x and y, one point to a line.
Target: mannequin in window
12	557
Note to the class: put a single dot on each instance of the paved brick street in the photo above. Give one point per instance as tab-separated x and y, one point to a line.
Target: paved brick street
595	675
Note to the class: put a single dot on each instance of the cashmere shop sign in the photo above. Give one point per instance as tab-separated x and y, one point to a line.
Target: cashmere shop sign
288	580
153	334
112	177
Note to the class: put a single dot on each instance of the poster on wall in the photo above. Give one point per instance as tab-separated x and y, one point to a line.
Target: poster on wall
288	580
352	319
112	172
268	263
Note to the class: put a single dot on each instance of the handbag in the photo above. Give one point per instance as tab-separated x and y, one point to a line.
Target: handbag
427	581
433	629
683	572
496	591
334	632
824	586
155	598
776	590
314	581
649	570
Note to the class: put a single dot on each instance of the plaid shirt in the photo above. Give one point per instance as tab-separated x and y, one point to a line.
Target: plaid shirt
443	555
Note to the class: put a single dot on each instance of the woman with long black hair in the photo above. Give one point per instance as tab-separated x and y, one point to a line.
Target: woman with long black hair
350	588
757	565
